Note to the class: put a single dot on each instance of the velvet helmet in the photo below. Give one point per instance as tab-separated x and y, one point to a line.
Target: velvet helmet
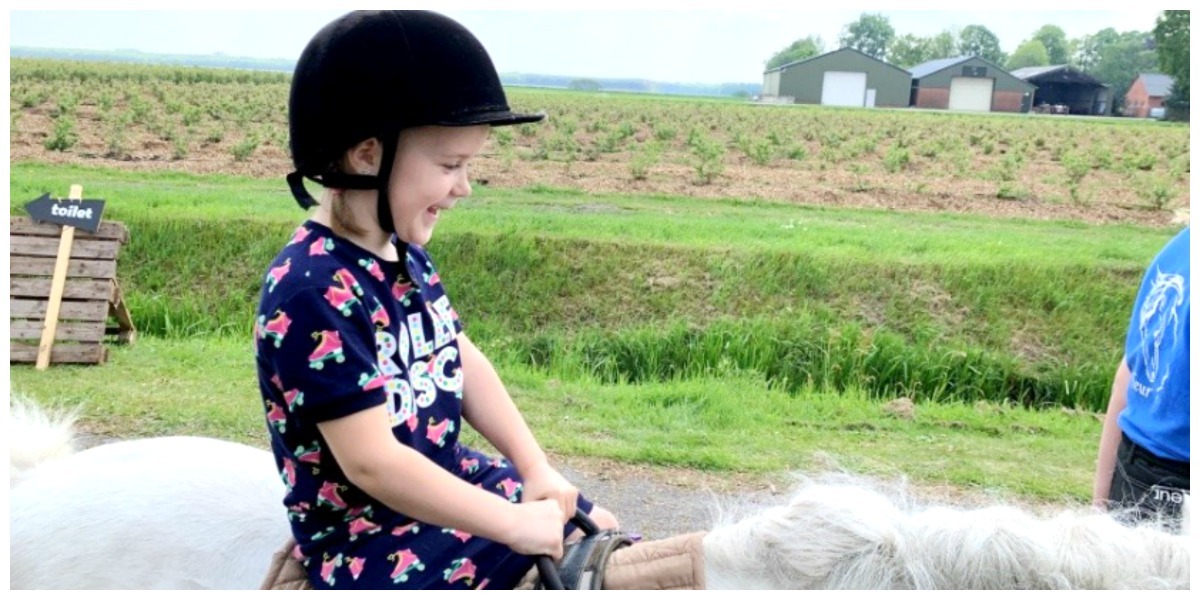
373	73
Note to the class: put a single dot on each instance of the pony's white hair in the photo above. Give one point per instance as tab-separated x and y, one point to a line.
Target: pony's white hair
848	535
186	512
40	436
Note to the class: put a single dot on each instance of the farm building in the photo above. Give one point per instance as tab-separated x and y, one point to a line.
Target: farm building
1147	94
1065	90
844	77
969	83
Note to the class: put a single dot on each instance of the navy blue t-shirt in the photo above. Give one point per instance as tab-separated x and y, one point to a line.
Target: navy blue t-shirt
340	330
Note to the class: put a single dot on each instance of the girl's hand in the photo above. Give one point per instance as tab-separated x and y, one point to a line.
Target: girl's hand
537	529
546	483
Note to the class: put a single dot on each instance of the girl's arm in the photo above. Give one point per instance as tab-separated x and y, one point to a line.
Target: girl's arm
1110	437
408	482
490	410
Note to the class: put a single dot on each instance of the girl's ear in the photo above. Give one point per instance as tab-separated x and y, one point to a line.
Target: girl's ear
365	157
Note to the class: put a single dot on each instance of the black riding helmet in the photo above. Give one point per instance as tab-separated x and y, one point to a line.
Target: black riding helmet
416	67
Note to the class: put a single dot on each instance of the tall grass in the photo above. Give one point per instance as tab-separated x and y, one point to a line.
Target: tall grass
632	289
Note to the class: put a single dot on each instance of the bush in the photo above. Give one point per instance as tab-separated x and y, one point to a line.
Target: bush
64	136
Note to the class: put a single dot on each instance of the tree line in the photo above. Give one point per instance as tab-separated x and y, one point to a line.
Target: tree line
1112	57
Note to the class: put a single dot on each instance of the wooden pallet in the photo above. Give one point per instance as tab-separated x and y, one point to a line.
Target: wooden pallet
81	292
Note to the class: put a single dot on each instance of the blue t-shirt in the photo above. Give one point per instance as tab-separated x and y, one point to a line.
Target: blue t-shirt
1157	347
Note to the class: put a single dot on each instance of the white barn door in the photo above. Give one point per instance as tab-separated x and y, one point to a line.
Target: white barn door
971	93
842	88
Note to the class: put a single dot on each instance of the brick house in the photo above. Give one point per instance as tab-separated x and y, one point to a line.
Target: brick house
1147	93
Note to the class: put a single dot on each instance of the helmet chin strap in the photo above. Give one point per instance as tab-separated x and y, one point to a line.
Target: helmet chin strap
384	207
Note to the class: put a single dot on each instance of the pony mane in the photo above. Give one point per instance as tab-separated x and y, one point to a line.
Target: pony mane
846	534
37	436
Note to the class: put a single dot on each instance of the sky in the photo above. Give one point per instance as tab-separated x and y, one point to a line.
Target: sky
709	42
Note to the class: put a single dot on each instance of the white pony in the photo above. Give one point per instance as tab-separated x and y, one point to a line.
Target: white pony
201	513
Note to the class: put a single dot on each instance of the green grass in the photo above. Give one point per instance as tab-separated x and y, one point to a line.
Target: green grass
642	289
730	335
723	422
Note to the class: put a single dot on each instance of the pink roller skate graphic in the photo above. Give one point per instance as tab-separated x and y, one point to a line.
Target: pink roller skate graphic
461	535
432	277
414	527
275	381
274	276
320	247
293	398
510	488
437	433
359	511
379	316
330	347
298	512
401	291
277	328
498	463
361	526
327	567
309	455
356	566
461	568
288	474
469	465
330	494
301	233
341	299
406	562
276	416
372	267
372	381
348	281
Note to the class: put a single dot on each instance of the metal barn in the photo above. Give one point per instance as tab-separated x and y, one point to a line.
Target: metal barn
1062	89
969	83
844	77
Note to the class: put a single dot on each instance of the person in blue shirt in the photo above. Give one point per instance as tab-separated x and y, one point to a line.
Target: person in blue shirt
1143	467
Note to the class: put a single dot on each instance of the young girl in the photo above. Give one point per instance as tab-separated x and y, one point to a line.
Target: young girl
363	365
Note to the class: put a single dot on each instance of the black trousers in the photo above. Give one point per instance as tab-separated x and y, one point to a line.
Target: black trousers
1146	487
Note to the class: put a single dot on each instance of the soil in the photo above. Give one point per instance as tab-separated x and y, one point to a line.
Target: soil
1103	197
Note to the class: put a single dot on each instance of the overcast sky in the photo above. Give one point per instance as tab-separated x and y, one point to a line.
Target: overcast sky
713	44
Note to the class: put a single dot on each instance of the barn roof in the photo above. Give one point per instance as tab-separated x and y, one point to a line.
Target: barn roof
1056	74
1157	84
933	66
839	50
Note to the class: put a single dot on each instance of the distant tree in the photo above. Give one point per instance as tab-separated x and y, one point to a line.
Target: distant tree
1088	48
909	50
1054	39
977	40
943	45
584	85
1119	58
1172	34
1030	54
800	49
743	94
870	34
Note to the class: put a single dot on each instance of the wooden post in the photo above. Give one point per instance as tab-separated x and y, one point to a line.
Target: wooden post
57	283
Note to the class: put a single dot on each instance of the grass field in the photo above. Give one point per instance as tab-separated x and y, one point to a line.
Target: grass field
660	281
745	336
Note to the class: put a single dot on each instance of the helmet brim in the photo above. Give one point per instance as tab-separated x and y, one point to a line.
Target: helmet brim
496	118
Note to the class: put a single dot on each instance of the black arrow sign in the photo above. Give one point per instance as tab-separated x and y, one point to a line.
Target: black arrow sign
84	214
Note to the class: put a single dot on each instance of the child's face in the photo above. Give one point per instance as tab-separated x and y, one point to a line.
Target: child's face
430	175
